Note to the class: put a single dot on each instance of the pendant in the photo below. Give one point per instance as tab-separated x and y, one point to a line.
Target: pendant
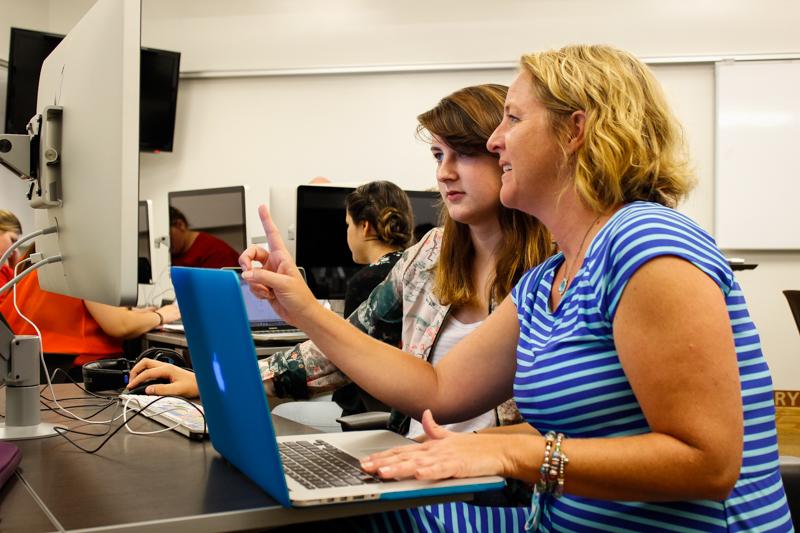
562	287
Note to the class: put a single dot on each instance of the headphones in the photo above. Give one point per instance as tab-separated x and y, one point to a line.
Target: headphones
112	374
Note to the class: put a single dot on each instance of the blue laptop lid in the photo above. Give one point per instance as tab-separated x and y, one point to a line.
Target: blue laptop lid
225	363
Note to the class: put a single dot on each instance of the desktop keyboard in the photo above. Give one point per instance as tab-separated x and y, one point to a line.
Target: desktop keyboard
319	464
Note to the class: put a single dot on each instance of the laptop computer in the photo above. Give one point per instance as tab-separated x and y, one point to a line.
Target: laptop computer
289	468
265	324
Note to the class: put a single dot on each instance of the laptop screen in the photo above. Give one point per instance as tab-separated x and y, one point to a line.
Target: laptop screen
259	312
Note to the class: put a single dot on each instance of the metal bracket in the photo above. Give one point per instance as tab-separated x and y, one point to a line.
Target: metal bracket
49	192
15	154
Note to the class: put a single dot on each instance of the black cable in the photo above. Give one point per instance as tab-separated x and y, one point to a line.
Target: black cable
76	383
62	431
60	412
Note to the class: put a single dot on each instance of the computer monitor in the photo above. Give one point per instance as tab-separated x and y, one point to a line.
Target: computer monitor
158	99
219	213
27	50
91	194
321	246
145	250
158	87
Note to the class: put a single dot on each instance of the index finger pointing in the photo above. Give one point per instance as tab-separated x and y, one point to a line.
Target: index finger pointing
271	231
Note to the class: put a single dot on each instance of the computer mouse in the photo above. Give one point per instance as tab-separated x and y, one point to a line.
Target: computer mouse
140	389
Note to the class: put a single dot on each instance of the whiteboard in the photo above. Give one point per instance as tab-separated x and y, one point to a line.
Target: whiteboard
757	176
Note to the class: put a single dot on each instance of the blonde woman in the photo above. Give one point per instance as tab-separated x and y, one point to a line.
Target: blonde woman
632	345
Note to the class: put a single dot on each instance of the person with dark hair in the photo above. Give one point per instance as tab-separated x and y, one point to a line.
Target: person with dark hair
379	227
191	248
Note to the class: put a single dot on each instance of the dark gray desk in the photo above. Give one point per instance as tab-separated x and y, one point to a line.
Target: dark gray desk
19	510
148	483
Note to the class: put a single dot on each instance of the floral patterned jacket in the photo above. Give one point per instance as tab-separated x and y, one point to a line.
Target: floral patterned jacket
402	311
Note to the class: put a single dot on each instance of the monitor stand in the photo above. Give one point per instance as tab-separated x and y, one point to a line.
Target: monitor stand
19	370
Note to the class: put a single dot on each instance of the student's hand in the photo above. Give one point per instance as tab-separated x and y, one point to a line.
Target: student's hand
170	313
278	280
445	454
182	382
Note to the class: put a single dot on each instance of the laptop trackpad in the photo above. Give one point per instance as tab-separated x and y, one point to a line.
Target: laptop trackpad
362	443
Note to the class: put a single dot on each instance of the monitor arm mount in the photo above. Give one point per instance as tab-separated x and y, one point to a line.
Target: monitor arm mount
21	155
19	370
19	354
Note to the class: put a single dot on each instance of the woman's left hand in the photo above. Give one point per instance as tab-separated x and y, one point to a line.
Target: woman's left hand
445	454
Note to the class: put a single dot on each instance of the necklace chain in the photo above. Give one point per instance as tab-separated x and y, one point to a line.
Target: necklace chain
562	287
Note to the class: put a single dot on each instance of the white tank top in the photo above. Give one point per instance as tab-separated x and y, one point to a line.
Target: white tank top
451	333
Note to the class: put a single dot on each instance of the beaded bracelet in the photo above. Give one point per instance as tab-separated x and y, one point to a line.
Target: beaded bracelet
544	470
554	465
551	477
558	467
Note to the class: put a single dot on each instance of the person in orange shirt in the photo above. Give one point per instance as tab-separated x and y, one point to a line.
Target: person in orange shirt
10	230
75	331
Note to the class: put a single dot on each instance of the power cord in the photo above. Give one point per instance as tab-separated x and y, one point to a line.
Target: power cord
62	431
41	354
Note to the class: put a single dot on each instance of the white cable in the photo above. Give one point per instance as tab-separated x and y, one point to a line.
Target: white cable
44	365
151	298
142	410
125	408
18	277
25	238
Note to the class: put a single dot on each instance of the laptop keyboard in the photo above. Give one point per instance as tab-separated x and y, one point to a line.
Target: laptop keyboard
319	464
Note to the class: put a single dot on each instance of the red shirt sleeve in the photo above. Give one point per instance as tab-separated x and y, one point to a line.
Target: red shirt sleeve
207	251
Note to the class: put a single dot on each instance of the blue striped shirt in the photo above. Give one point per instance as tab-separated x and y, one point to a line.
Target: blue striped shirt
569	377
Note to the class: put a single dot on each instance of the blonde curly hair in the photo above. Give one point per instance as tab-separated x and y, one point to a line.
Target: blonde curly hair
633	147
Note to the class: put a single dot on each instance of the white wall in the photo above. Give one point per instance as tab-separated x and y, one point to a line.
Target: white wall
241	34
273	133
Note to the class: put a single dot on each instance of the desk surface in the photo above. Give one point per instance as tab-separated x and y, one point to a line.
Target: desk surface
147	483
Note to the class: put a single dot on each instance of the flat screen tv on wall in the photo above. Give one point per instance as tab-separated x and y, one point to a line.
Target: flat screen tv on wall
158	89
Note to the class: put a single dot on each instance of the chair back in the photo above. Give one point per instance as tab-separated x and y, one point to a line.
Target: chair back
793	297
790	473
